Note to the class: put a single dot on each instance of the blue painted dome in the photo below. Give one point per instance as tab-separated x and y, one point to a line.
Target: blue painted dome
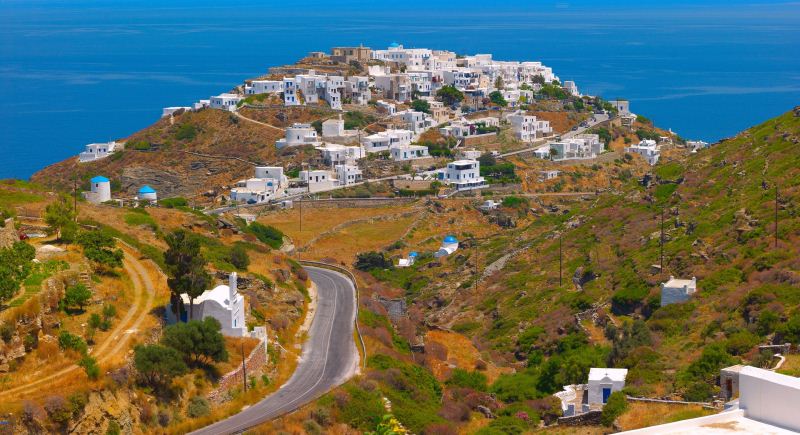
450	239
99	179
394	45
413	254
146	189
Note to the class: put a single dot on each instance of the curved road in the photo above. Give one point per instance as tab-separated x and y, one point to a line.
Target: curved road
329	356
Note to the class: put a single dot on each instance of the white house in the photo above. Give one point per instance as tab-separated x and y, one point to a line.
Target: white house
333	128
357	90
603	382
648	149
201	104
463	175
449	245
258	189
225	102
622	106
677	290
348	174
97	151
406	262
468	127
336	154
408	152
264	87
100	190
571	87
527	127
298	134
767	405
548	174
223	303
489	205
696	145
417	122
386	139
318	180
390	108
580	147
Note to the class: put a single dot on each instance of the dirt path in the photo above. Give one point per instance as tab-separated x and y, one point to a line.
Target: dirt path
258	122
144	297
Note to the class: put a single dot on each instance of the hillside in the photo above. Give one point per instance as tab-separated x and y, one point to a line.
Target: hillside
515	333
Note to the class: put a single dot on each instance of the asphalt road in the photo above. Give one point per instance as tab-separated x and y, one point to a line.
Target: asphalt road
329	356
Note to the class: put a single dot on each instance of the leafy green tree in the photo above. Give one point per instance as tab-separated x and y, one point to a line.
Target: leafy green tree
157	365
186	267
69	341
90	366
199	341
497	98
421	106
98	247
449	95
60	215
239	257
77	295
94	321
15	266
372	260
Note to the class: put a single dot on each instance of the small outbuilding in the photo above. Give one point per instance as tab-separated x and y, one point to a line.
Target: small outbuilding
406	262
147	193
603	382
100	190
449	245
677	290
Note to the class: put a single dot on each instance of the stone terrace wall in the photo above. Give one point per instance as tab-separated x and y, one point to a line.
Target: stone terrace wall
255	361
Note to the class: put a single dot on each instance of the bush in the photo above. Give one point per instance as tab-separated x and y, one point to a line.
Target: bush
173	202
465	379
239	257
198	407
421	106
367	261
616	405
199	341
268	235
68	341
90	366
186	132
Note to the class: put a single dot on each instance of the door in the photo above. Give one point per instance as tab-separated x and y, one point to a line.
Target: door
606	393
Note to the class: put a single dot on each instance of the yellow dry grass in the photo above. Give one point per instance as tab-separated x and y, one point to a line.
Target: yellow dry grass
461	353
791	366
346	243
641	414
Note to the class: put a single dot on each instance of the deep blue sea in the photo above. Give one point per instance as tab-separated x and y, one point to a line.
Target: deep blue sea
75	72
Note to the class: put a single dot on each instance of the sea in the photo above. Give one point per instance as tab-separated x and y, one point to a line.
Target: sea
76	72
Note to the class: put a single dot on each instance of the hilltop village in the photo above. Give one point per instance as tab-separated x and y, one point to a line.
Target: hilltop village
425	107
469	245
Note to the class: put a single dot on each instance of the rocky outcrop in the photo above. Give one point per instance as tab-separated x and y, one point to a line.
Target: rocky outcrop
8	234
106	406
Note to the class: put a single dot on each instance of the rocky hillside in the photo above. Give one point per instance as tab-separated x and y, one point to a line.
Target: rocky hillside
543	331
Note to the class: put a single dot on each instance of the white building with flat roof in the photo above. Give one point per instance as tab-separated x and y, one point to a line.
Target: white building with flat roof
97	151
318	180
463	175
348	174
226	101
169	111
336	154
263	87
390	108
648	149
408	152
386	139
677	290
768	404
528	128
298	134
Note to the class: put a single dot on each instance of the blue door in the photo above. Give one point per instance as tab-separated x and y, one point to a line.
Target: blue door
606	393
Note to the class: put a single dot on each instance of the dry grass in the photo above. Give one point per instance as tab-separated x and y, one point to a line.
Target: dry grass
460	353
364	236
236	347
641	414
791	366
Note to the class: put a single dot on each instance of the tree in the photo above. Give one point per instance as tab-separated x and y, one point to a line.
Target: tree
98	247
421	106
158	365
496	97
186	267
60	217
199	341
487	159
372	260
77	295
498	83
239	257
614	407
15	265
449	95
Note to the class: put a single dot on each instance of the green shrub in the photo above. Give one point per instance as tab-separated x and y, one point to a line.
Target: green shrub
239	257
67	341
267	234
616	405
186	132
90	366
466	379
173	202
367	261
198	407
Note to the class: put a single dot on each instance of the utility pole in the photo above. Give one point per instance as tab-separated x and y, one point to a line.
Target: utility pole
477	276
776	215
662	239
244	369
75	196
